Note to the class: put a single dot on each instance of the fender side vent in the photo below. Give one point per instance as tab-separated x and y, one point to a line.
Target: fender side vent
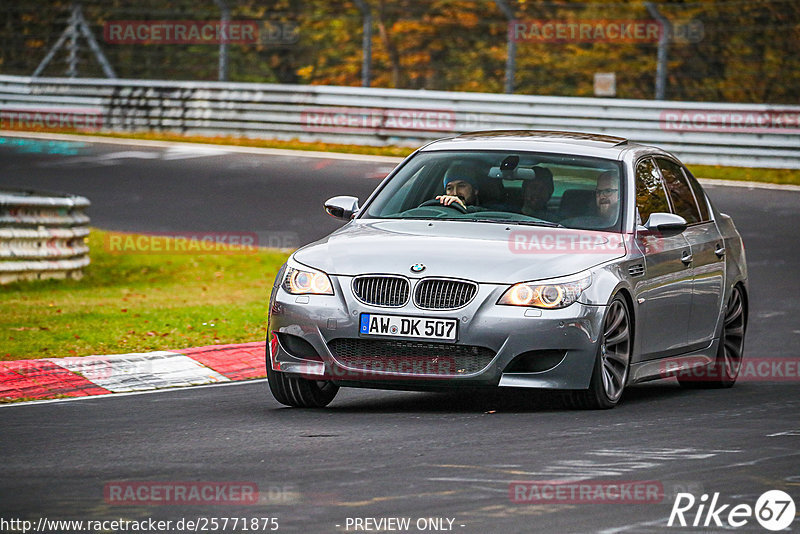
636	270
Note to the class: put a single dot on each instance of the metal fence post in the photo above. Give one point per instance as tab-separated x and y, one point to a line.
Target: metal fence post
511	50
225	21
366	43
663	46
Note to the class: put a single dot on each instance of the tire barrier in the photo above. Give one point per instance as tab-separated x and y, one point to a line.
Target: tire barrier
42	236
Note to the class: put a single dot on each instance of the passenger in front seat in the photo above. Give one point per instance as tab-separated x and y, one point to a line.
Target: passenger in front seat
536	194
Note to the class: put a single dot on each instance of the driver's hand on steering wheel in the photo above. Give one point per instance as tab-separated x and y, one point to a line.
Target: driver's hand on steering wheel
446	200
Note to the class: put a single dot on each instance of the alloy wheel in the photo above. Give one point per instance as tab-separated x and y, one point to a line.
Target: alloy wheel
615	350
733	335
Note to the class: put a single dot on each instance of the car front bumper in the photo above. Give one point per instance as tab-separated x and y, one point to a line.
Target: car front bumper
561	344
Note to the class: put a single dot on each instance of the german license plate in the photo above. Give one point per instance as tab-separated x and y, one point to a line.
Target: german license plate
418	327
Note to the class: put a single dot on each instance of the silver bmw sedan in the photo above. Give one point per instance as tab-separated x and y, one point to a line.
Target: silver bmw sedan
522	259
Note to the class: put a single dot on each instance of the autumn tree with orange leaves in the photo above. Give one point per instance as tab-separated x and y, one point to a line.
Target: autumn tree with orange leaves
741	51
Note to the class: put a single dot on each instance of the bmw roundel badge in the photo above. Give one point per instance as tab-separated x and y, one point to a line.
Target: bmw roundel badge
417	268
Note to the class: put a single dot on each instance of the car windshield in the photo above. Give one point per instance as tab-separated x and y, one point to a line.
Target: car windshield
527	188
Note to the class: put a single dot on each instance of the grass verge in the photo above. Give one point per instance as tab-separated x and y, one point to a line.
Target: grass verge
135	302
747	174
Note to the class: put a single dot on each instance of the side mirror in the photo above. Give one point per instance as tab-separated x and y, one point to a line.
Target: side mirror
666	224
342	207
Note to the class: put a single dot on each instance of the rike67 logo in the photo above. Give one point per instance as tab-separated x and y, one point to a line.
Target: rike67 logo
774	510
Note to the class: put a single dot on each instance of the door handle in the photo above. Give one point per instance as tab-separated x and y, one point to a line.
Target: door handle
720	251
686	258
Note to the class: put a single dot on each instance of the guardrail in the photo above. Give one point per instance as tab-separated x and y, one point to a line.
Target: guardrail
750	135
42	236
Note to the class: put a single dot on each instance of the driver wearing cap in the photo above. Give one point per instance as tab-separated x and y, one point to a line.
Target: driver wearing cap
460	186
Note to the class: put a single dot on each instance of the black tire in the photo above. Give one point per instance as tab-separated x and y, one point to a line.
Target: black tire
300	392
725	369
612	362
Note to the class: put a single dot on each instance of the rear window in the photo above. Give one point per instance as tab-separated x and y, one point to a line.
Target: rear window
699	195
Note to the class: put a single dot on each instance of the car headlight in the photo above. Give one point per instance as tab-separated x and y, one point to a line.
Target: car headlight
301	280
550	295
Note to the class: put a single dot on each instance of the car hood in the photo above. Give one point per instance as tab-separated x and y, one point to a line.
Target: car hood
483	252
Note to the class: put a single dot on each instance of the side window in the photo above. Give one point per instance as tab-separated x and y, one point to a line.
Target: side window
699	195
680	193
650	194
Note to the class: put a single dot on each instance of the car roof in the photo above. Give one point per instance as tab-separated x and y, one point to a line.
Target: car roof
574	143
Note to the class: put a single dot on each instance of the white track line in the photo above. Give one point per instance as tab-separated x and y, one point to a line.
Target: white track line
224	148
308	154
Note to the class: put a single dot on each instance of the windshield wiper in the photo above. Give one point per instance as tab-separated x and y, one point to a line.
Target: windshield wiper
413	218
547	224
513	221
469	219
540	223
496	221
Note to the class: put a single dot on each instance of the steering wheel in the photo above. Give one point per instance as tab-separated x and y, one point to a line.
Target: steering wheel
455	205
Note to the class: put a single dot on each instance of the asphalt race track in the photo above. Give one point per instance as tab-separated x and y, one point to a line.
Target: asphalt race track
445	461
193	189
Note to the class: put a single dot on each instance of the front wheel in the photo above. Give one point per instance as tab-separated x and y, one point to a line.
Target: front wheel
300	392
612	362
